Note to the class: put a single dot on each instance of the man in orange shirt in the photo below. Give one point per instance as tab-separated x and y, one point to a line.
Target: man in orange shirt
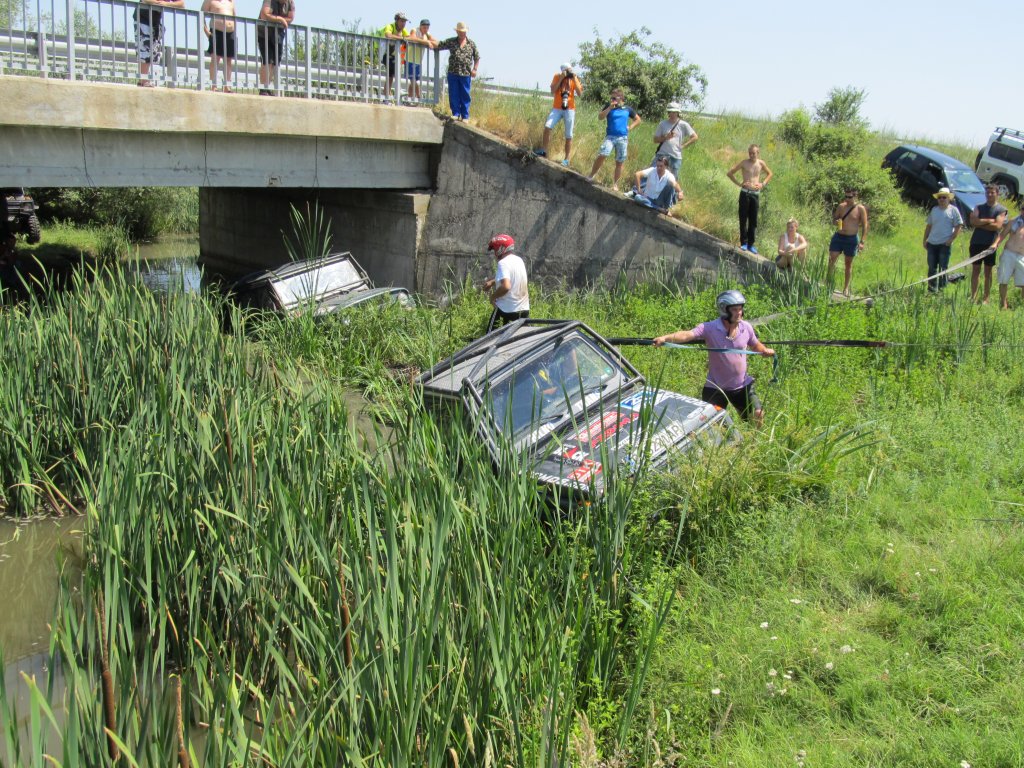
564	87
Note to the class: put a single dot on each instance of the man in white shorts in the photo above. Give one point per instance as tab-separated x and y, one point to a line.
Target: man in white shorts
1011	263
565	87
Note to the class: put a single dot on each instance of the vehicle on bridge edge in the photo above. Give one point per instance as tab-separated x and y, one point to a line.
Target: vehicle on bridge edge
560	395
321	285
921	172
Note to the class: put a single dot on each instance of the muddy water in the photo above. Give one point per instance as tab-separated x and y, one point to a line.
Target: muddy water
170	263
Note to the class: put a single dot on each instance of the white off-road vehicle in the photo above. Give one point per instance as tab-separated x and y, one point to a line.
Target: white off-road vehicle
1002	161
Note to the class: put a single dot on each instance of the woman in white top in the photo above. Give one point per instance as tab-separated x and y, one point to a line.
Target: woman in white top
792	246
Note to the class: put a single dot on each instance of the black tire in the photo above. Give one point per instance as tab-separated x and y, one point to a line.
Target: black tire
977	160
35	232
1007	187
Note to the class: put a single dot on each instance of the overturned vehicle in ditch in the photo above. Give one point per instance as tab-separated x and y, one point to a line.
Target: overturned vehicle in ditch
561	396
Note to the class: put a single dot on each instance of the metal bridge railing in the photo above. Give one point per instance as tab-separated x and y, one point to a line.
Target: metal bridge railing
99	45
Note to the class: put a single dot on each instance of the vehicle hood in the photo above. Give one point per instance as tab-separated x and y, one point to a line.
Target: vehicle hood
623	432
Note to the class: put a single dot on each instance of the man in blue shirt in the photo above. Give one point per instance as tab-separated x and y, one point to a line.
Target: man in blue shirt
621	120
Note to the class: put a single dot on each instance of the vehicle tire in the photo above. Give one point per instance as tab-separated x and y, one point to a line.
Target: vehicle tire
1007	187
35	233
977	160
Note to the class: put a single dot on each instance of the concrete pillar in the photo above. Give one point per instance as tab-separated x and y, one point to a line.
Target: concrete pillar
243	230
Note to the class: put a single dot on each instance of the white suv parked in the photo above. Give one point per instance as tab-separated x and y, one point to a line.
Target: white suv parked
1002	161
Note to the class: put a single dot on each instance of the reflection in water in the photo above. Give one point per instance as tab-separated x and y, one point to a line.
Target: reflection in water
169	264
33	555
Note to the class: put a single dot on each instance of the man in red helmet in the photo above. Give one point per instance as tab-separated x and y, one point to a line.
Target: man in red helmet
508	290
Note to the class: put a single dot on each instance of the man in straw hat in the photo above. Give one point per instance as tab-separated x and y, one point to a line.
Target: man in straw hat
462	67
944	224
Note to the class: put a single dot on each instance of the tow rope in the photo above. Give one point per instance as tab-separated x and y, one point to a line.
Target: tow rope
639	342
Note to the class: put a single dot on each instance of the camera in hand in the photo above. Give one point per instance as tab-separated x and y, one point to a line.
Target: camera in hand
565	99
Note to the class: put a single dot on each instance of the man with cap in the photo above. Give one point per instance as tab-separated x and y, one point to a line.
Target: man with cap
462	67
419	41
944	224
508	289
396	30
564	88
673	136
728	380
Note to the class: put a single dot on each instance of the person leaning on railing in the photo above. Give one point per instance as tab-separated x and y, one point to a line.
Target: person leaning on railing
149	35
270	39
462	67
418	42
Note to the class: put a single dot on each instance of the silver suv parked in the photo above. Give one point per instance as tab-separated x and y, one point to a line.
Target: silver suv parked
1002	161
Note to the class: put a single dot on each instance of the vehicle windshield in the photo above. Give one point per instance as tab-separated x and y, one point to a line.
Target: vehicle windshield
964	181
553	386
318	282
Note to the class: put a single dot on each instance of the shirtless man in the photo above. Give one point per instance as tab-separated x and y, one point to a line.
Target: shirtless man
850	217
222	39
1011	264
750	193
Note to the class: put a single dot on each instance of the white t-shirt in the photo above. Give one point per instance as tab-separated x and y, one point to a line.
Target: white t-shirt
517	299
653	184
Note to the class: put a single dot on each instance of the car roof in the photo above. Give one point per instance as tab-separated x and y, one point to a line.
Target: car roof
293	268
488	356
933	154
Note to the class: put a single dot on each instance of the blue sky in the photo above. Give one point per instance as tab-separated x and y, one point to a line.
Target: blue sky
936	70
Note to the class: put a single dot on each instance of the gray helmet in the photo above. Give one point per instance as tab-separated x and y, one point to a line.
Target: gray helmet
728	299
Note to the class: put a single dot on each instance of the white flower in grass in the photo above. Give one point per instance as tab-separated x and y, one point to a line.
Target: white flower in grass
774	637
716	691
795	600
846	649
964	764
829	666
933	570
788	676
772	672
764	625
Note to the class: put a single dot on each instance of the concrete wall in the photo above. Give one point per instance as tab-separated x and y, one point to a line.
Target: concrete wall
570	231
242	230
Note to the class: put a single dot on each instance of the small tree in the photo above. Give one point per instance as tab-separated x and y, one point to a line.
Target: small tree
651	74
842	107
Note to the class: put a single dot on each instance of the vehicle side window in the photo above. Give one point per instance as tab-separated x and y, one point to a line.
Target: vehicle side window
906	160
932	175
1007	153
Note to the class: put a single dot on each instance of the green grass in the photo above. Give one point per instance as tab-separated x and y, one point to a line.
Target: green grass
399	602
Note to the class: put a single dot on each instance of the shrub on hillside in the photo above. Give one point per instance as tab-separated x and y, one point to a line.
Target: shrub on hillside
834	141
826	181
140	212
795	127
651	74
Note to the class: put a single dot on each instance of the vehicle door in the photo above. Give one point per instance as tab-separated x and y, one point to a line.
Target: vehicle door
904	167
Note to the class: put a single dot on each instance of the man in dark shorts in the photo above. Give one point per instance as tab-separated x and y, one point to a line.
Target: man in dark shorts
728	381
222	39
850	217
149	35
270	40
987	219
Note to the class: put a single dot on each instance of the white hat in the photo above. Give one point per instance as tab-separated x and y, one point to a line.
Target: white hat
565	67
674	106
944	192
461	27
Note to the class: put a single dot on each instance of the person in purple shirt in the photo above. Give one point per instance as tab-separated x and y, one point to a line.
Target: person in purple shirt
728	380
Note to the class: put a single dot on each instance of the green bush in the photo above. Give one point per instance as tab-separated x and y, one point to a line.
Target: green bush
826	142
651	74
825	182
794	127
142	212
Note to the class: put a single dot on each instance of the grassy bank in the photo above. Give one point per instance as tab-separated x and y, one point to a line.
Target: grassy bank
893	255
843	588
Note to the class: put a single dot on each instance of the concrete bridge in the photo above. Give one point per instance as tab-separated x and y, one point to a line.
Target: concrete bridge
415	198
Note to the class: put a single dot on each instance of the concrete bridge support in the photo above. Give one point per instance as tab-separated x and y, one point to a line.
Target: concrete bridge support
242	230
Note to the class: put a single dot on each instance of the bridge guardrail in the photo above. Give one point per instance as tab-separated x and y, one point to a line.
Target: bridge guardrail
99	45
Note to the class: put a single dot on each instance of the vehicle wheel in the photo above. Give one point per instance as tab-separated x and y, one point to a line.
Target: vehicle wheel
1007	188
34	230
977	160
